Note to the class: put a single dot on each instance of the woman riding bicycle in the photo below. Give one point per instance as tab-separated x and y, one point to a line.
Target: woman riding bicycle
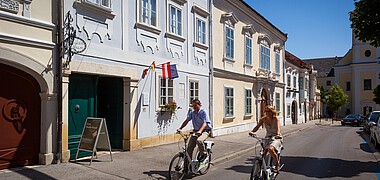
272	126
202	127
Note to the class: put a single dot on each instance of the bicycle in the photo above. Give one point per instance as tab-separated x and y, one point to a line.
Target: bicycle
261	169
182	163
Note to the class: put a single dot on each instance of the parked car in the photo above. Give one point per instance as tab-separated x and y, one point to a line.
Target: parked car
372	120
353	119
375	133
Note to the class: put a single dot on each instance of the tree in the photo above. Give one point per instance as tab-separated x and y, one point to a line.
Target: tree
376	92
337	99
365	20
324	96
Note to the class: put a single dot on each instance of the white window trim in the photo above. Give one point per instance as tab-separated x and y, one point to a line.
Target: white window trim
225	42
140	22
279	63
158	75
245	50
188	89
266	46
102	10
251	114
224	103
180	7
195	43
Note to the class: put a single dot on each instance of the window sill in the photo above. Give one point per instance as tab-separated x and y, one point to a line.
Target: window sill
248	66
175	36
147	27
248	115
263	70
200	45
229	118
226	59
105	11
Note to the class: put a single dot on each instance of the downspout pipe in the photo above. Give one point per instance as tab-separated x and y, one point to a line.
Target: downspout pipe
59	54
211	65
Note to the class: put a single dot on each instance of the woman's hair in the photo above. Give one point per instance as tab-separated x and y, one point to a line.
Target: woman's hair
196	101
272	109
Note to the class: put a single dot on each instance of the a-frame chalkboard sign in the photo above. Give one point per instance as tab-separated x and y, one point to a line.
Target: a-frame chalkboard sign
94	136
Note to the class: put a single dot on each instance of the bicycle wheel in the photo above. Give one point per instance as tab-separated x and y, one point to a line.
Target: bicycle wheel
206	163
177	167
257	171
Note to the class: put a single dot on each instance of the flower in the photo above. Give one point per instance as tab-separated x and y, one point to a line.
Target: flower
172	106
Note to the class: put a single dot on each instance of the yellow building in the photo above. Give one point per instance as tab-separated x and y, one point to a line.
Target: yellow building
248	68
28	93
358	74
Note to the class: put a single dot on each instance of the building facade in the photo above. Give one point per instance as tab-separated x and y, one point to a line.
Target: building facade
119	74
248	55
358	74
28	93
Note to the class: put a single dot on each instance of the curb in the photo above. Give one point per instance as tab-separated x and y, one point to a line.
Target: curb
238	153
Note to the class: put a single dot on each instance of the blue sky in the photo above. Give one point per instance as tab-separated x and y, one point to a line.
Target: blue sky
315	28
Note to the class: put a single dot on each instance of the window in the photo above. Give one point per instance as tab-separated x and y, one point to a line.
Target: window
248	102
194	90
328	83
288	81
307	84
301	83
229	102
229	42
288	93
277	63
248	50
166	91
101	3
367	84
201	31
348	86
294	82
148	12
278	102
288	110
265	57
175	20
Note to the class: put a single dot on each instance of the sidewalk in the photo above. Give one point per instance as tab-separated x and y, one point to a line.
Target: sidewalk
147	163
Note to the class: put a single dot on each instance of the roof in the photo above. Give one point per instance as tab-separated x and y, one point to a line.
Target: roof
285	34
323	65
289	57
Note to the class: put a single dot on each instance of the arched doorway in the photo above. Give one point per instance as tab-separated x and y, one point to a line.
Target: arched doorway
20	118
294	112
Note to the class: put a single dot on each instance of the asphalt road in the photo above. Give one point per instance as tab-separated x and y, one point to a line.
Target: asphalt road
322	152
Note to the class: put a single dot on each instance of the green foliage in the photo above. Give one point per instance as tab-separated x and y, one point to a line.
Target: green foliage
324	95
337	98
376	92
366	21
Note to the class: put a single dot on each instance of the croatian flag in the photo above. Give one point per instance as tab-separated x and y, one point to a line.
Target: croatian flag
169	71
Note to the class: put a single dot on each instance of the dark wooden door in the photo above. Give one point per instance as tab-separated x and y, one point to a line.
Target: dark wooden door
20	118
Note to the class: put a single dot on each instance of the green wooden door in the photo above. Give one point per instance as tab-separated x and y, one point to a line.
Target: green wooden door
82	104
110	106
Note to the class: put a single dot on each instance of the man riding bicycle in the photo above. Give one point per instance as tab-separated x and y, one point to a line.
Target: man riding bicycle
272	126
202	128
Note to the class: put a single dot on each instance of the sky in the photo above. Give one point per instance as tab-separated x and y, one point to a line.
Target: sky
315	28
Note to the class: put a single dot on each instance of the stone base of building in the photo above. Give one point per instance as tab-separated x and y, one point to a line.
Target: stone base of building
233	129
131	145
46	159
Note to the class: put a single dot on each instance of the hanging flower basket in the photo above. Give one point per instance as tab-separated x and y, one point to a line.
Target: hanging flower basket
170	107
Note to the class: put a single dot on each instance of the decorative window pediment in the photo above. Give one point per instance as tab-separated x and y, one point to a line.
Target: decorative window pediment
230	19
265	39
277	47
180	2
249	30
199	10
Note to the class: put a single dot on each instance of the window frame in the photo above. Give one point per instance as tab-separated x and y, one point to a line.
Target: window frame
248	50
300	83
278	102
295	82
149	17
289	80
178	30
160	87
200	37
328	83
226	98
247	106
264	57
99	3
190	90
278	64
288	111
348	85
367	86
232	41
